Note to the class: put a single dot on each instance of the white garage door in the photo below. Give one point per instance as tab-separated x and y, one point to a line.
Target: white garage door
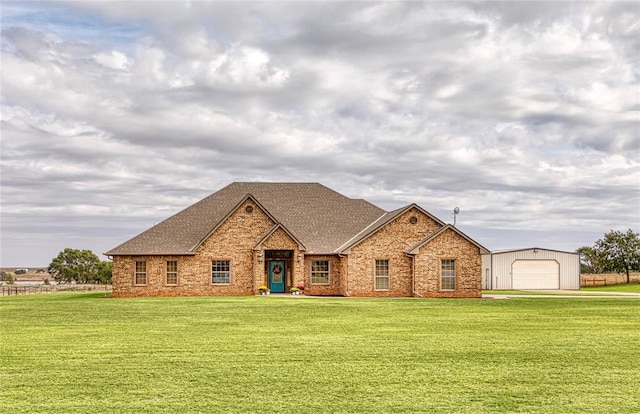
536	274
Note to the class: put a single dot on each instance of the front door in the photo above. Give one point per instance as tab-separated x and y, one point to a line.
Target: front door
276	276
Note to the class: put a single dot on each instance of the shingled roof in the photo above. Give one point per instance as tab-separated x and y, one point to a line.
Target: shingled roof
320	218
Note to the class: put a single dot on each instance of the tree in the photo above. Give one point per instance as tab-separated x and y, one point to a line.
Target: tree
8	277
620	250
72	265
591	260
104	272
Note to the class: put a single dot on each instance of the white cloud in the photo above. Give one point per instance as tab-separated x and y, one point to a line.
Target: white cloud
525	116
113	60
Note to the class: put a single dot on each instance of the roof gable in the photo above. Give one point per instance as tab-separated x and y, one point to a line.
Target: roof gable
381	222
249	197
272	231
416	247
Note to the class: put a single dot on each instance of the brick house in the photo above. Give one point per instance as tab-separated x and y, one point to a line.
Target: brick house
284	235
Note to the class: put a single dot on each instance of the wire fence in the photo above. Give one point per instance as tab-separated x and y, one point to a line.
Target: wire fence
8	290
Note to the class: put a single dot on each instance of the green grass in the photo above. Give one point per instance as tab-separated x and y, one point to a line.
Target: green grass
82	353
630	288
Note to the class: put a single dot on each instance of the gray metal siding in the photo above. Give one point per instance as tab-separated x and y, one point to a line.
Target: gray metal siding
486	271
501	265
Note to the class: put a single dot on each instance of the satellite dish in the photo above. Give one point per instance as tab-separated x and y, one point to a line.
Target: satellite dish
455	213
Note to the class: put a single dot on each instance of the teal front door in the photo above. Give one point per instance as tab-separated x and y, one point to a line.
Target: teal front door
276	276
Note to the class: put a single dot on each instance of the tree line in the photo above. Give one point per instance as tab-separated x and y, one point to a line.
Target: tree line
79	266
616	252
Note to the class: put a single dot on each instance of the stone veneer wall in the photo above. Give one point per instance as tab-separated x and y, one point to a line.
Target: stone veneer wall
335	280
449	245
233	240
390	243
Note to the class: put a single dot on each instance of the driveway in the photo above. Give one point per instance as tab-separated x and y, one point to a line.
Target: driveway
573	294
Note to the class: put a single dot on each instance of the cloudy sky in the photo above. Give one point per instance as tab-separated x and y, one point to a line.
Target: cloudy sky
115	115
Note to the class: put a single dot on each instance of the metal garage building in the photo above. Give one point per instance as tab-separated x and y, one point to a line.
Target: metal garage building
533	268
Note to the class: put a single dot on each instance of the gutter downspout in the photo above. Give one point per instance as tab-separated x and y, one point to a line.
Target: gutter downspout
346	276
413	276
254	264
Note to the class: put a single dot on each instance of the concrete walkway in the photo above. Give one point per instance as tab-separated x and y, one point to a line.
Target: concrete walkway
574	294
554	294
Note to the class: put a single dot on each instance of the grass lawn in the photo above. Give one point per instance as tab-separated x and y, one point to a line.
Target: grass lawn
82	353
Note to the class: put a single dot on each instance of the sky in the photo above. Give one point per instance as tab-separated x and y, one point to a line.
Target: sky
116	115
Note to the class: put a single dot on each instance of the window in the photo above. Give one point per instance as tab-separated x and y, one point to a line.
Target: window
382	274
220	272
140	276
448	274
172	272
320	272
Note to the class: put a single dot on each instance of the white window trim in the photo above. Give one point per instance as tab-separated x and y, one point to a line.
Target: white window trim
136	273
166	273
211	272
455	274
328	272
375	275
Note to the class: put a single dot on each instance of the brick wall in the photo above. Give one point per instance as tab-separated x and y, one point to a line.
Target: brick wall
468	267
390	243
233	241
335	279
